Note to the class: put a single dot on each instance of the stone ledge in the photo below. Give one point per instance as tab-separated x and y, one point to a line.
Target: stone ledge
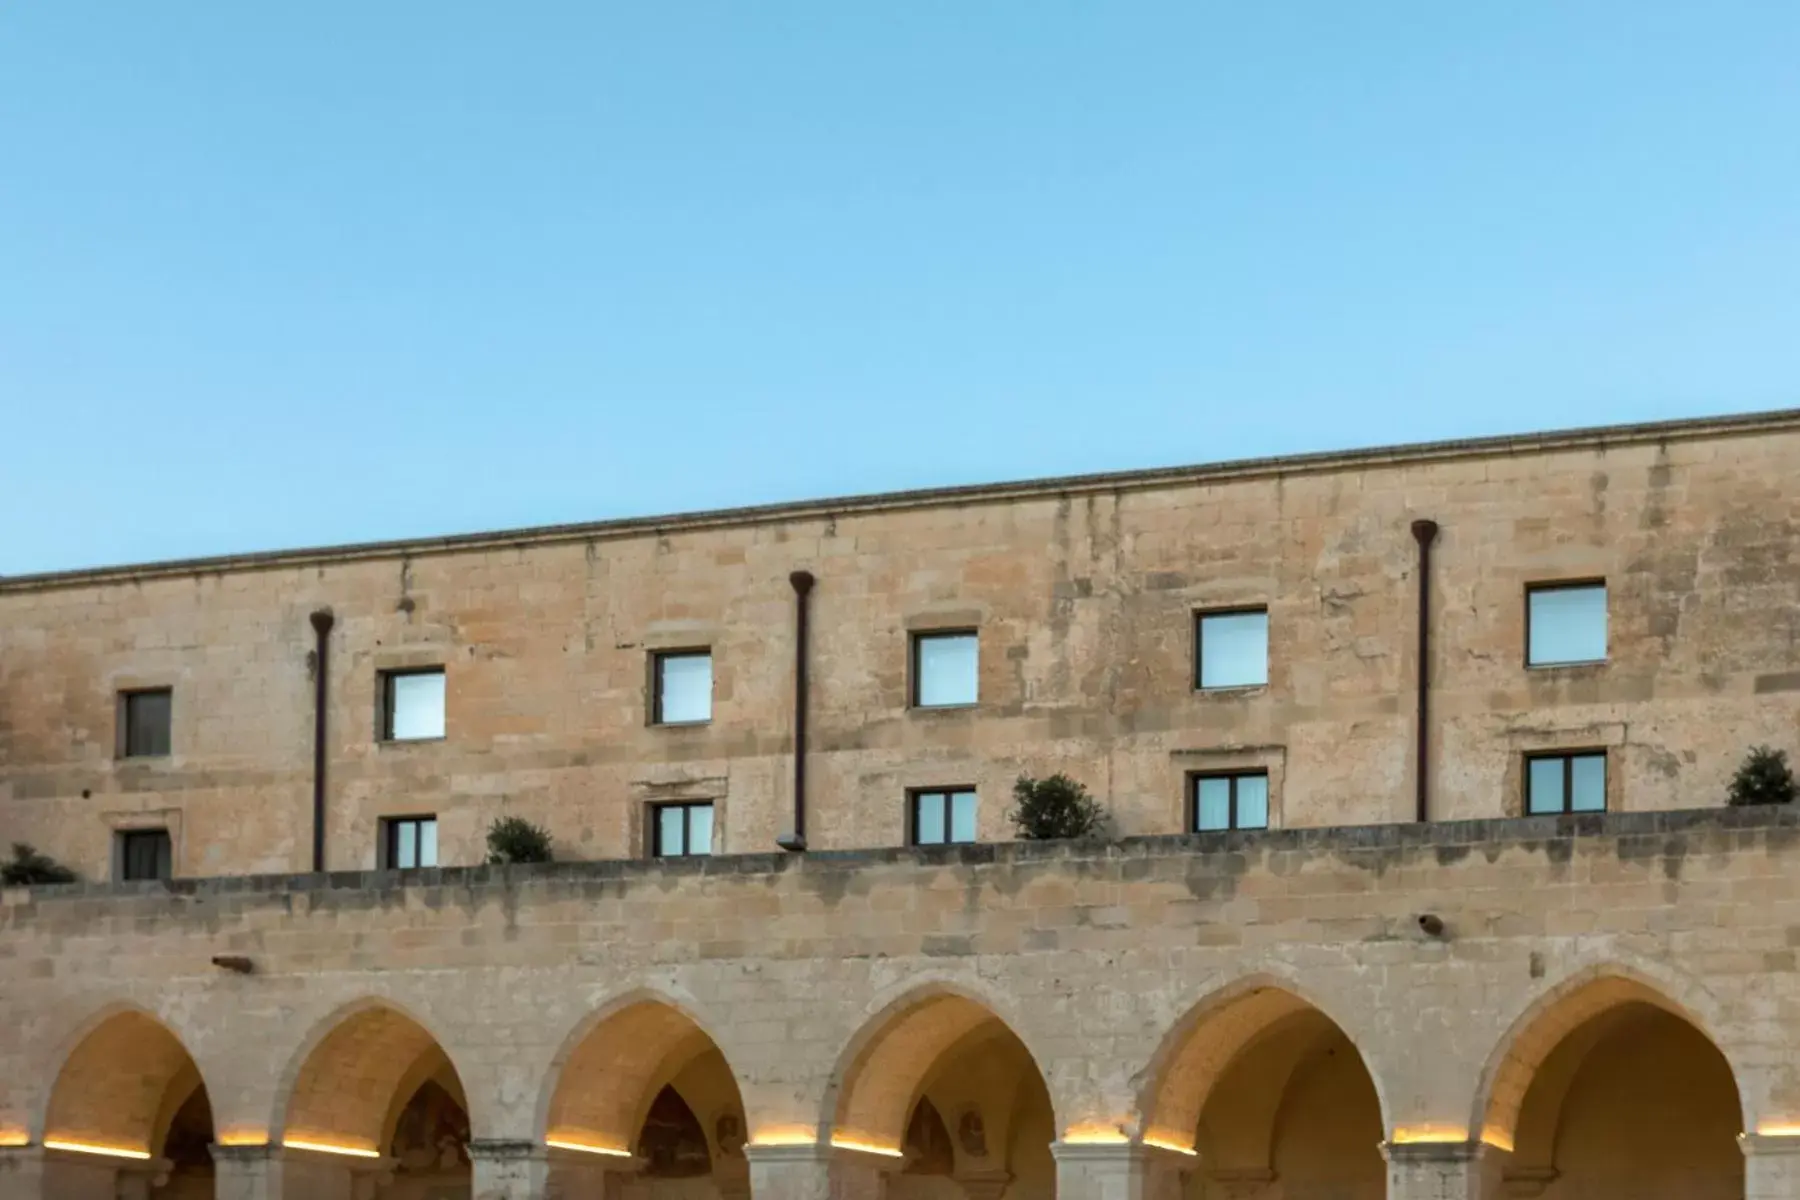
1637	835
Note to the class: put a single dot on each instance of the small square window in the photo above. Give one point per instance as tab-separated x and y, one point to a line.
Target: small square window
1565	623
682	686
144	719
1235	801
145	854
1566	783
681	830
942	817
412	705
946	669
408	842
1231	649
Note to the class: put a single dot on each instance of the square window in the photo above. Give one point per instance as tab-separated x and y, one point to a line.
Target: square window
412	705
943	817
682	687
1565	783
681	830
144	854
1565	623
145	718
945	669
1235	801
409	842
1231	649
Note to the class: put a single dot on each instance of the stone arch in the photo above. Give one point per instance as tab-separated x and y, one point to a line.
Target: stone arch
119	1081
1196	1051
343	1086
1561	1012
905	1032
611	1067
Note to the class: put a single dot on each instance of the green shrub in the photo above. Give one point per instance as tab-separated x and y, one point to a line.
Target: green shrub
516	840
1763	778
28	866
1053	808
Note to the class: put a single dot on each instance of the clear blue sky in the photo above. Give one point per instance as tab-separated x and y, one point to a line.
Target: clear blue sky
277	275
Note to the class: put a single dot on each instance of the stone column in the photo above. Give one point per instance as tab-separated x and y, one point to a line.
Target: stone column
1434	1170
508	1170
1771	1166
21	1172
1118	1171
246	1172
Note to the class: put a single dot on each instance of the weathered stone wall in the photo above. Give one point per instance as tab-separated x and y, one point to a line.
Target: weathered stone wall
1083	592
1114	966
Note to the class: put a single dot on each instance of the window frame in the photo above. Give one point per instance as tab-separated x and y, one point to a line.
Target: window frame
687	830
657	659
1240	610
916	640
165	857
1569	585
1195	778
944	793
1568	758
384	725
122	744
391	828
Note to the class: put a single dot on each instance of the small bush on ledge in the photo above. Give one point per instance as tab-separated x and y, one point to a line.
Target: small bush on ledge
28	866
516	840
1055	808
1763	778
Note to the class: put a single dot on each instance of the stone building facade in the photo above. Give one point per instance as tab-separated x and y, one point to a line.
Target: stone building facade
1550	963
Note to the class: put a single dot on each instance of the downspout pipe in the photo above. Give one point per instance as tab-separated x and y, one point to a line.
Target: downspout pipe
1424	532
803	585
321	623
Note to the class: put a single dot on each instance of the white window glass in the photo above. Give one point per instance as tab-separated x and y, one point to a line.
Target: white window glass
1253	802
671	830
1544	785
683	688
415	706
947	669
699	834
929	828
1212	803
1568	625
428	844
1587	783
1234	649
962	816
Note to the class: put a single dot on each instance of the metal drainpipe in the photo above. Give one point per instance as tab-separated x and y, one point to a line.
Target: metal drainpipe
321	623
1424	532
803	584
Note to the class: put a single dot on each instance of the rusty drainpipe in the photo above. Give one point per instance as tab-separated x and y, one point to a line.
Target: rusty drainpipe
803	585
1424	532
321	623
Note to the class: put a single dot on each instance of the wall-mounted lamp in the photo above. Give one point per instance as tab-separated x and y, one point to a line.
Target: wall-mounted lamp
233	962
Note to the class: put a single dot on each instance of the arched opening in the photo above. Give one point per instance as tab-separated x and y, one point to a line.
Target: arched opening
129	1100
376	1096
1610	1089
643	1090
1272	1099
943	1081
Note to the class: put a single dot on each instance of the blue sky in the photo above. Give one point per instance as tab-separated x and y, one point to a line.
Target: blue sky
277	275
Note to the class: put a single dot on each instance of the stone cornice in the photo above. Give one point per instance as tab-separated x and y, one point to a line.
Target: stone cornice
1596	438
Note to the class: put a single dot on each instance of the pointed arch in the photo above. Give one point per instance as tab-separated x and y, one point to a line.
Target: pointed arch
119	1082
612	1066
1197	1050
1561	1011
882	1069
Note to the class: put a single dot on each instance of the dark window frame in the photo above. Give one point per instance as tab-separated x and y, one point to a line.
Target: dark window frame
1566	585
915	686
391	830
1568	758
686	806
384	717
164	853
915	795
1241	610
128	697
657	659
1193	798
